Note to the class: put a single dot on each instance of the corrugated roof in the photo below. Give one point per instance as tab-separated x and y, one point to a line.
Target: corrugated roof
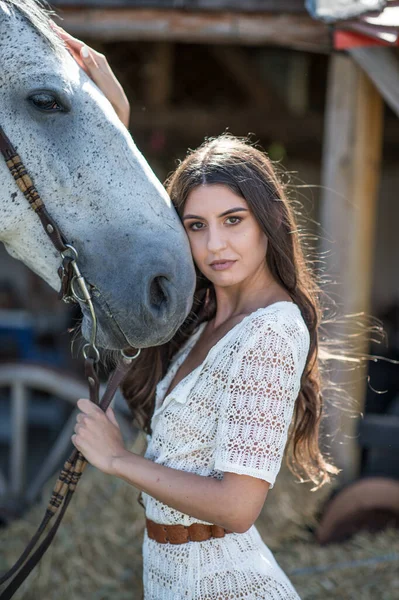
334	10
383	27
375	20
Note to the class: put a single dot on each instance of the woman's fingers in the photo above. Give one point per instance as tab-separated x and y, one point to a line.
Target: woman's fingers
77	56
65	35
74	42
70	39
89	60
96	67
73	45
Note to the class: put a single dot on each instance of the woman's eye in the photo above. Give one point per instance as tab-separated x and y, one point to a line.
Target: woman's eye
235	220
194	226
46	102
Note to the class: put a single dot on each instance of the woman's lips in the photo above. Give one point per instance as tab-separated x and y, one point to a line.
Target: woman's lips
221	266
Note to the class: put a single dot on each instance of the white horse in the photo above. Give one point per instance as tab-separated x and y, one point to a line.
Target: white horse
96	185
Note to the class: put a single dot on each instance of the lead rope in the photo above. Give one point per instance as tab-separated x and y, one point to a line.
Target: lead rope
71	278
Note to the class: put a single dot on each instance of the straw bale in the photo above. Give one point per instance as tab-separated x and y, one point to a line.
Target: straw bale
96	554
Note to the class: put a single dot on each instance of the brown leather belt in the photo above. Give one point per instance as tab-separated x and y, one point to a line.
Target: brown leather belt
180	534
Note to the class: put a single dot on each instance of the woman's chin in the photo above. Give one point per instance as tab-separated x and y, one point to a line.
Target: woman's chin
222	279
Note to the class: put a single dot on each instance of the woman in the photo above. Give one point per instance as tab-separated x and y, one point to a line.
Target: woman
219	401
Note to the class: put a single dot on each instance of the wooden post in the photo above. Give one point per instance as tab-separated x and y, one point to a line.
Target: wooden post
158	82
351	168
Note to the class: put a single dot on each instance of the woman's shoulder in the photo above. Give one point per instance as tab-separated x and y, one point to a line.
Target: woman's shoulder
281	320
284	315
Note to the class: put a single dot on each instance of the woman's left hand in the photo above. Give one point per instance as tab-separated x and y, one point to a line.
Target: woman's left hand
97	68
97	436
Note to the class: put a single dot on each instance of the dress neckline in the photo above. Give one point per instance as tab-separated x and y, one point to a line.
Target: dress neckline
193	339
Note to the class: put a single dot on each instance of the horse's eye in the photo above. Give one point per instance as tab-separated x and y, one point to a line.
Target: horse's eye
46	102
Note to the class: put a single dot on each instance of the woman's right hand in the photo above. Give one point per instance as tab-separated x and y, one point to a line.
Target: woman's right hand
97	68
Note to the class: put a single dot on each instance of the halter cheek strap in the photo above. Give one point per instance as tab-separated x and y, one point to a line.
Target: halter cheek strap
73	289
27	187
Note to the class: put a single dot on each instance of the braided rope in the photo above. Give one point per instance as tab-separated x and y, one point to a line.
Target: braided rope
24	182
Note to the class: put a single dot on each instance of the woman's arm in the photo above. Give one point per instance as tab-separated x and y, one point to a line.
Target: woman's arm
233	502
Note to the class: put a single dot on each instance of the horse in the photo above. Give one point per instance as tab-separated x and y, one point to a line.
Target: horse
133	250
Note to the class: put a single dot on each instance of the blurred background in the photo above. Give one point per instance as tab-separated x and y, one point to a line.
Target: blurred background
316	84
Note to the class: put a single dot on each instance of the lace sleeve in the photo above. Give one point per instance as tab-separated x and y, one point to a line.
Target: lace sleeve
263	385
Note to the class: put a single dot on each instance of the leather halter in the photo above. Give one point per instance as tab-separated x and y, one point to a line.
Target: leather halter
70	278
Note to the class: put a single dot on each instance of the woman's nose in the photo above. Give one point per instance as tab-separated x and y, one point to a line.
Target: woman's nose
216	240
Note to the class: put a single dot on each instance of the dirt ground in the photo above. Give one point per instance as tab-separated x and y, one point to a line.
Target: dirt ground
97	551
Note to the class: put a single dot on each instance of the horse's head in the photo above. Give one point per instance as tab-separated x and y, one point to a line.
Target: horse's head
96	185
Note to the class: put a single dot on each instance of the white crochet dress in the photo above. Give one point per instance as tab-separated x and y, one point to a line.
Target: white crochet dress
231	413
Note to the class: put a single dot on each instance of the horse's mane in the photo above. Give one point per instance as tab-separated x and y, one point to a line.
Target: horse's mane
38	14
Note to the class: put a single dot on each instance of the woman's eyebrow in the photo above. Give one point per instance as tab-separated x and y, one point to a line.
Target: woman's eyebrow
223	214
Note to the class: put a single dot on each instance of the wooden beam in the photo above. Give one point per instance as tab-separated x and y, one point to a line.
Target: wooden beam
287	30
351	171
280	6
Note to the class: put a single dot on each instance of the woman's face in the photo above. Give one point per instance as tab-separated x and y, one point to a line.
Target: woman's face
227	244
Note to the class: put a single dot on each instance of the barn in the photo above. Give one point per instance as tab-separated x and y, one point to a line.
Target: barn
316	85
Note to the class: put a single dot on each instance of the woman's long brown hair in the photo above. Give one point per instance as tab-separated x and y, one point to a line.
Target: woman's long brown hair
249	173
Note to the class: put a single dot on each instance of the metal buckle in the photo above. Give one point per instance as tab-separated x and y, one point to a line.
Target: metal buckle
129	358
78	283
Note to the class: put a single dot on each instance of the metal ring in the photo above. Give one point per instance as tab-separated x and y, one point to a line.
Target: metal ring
74	294
128	357
96	357
74	251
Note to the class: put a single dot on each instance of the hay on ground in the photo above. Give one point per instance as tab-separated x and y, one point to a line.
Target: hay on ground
97	551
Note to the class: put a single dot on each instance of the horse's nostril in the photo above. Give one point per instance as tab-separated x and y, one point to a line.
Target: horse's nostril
158	293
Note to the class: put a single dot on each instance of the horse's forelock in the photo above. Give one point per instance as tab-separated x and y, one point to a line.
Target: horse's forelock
38	14
5	8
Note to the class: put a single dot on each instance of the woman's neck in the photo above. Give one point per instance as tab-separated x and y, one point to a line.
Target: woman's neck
240	300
